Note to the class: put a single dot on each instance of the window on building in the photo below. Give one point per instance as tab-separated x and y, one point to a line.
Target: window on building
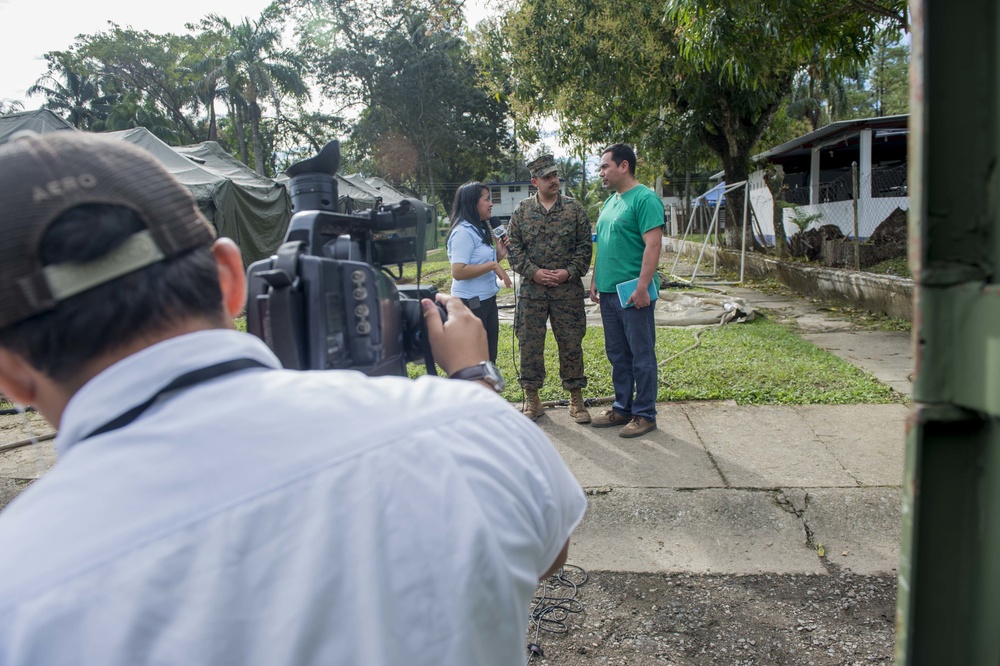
495	195
513	188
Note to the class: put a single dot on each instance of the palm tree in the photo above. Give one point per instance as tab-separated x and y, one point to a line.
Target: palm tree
72	92
254	67
590	196
819	95
571	170
10	106
131	111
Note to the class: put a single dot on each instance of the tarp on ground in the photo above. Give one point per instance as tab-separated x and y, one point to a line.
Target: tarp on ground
253	212
673	307
39	121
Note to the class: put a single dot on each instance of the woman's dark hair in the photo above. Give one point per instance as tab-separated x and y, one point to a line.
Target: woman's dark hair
466	209
113	314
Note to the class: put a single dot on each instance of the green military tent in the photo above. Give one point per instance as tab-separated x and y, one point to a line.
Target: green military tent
243	205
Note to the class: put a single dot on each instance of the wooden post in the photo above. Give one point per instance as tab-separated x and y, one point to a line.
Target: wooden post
857	245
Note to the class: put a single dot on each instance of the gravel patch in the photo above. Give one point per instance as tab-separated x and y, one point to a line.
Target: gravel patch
824	619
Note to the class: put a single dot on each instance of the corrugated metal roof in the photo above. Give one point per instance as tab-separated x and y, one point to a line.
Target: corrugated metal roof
824	135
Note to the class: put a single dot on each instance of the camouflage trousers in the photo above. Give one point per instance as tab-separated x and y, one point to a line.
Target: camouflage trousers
569	324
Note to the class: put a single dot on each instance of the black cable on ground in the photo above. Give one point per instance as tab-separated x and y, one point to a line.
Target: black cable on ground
552	606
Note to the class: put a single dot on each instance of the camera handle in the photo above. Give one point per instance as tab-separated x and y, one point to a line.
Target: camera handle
284	317
413	312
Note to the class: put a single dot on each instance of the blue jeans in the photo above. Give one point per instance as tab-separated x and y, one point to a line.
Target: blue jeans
630	342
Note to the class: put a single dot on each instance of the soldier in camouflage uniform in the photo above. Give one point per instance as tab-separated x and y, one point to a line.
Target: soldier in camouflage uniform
550	247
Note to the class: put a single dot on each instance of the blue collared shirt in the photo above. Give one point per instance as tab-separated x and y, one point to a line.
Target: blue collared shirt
466	246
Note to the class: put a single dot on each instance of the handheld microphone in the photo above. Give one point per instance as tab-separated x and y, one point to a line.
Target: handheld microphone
499	230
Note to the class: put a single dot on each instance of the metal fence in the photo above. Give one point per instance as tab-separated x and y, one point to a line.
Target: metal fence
858	221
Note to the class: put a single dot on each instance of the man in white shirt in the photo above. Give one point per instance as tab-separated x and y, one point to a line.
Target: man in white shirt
209	507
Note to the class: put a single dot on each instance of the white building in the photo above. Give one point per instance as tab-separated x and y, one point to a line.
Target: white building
506	196
819	179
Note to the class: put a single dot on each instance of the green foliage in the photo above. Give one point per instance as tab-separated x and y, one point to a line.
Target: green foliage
248	57
877	87
673	78
10	106
72	90
591	195
147	70
758	363
122	78
802	219
425	118
898	266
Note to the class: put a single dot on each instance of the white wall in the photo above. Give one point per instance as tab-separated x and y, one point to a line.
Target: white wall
871	211
510	199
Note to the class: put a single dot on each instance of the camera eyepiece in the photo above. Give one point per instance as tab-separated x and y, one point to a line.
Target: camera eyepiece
312	185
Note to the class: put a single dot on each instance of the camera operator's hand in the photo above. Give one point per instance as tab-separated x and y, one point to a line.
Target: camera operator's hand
459	342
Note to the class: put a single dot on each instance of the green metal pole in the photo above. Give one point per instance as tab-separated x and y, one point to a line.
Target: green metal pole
949	577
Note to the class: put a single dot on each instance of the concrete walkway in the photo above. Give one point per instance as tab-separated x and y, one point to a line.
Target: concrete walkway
723	488
728	489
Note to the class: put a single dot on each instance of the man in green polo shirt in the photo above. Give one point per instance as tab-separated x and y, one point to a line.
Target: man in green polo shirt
629	235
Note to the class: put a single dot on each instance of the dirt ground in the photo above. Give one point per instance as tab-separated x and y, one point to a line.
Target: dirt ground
627	618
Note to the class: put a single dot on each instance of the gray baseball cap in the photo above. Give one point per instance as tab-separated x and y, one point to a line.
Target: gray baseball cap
43	176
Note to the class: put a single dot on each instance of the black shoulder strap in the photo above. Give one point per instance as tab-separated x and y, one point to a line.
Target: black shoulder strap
184	381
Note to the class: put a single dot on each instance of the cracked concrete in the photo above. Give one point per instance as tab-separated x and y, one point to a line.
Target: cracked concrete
740	489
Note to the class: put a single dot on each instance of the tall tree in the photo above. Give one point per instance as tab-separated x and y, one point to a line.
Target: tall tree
423	115
258	69
10	106
152	65
133	110
888	76
571	171
72	90
718	68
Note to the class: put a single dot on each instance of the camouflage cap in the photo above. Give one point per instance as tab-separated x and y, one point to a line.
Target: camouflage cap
542	165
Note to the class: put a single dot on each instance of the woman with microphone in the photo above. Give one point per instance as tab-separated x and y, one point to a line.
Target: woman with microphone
475	263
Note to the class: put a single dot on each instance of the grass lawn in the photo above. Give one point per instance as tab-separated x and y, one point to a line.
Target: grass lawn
758	363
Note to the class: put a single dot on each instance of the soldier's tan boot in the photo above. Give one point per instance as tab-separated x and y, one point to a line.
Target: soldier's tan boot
577	407
532	404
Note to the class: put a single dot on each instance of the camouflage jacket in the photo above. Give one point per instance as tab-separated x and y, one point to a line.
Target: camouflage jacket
553	239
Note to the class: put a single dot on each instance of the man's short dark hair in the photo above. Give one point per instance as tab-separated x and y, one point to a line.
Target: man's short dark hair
140	303
621	152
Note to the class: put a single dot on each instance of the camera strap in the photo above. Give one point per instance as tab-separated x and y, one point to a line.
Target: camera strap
187	380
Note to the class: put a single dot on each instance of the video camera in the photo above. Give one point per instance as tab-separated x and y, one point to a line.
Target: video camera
325	300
